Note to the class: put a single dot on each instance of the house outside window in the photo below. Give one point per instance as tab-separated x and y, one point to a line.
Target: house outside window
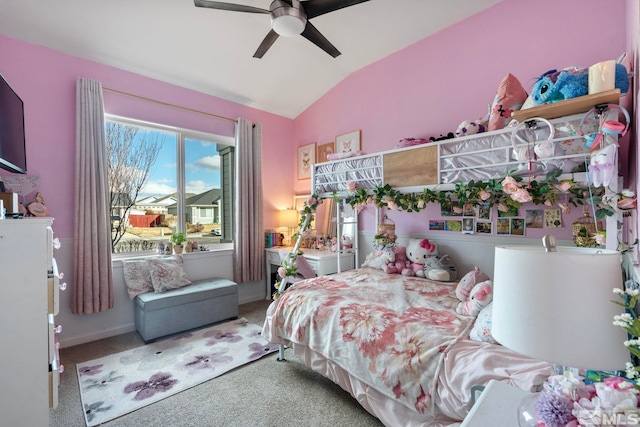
165	180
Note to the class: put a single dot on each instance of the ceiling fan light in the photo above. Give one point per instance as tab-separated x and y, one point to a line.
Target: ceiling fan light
287	25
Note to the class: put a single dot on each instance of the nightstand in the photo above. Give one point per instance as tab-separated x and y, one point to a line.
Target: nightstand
496	406
322	262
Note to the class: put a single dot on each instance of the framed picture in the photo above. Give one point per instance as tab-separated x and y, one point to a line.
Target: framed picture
348	142
306	158
324	150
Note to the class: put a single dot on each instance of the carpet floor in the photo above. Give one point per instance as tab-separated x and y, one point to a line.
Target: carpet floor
264	393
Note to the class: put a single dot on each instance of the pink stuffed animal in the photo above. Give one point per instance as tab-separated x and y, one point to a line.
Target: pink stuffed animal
399	263
467	283
480	297
418	250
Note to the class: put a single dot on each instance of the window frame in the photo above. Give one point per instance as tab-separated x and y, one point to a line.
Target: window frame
181	134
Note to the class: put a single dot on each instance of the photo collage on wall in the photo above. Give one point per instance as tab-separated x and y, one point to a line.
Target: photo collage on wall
477	220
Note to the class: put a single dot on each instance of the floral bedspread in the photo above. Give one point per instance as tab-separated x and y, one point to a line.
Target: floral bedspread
388	331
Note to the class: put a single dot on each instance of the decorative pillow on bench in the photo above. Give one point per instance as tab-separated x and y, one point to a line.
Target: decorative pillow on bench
167	273
154	274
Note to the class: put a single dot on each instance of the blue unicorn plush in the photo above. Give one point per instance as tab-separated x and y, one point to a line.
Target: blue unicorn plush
554	85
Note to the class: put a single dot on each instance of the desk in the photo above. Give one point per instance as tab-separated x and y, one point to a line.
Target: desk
322	262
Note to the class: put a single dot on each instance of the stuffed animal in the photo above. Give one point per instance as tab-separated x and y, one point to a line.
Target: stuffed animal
379	259
418	251
441	268
481	295
572	82
346	241
468	281
471	127
399	263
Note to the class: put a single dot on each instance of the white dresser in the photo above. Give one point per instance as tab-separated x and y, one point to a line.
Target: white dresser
29	297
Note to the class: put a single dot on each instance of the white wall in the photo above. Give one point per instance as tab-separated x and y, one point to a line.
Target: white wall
78	329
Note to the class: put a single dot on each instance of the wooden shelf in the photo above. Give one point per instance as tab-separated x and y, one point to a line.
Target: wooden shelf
568	107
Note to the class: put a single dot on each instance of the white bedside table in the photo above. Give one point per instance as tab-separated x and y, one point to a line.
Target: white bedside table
497	406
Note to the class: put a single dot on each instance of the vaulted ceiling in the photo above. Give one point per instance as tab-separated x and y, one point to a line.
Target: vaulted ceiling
211	51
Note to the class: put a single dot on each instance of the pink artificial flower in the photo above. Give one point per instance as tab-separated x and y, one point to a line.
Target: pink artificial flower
457	209
282	272
392	205
618	383
509	185
502	207
564	207
601	238
360	207
564	186
547	202
421	204
352	186
521	195
311	201
484	195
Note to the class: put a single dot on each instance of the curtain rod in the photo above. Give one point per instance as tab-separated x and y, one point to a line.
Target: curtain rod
168	104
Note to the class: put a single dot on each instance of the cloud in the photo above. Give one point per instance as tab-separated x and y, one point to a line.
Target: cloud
210	163
197	186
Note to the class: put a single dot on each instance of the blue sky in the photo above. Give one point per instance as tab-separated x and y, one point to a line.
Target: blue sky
202	168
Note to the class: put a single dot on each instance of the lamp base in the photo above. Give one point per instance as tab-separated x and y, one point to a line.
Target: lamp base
527	411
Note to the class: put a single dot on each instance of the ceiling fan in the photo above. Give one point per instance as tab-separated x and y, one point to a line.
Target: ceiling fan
289	18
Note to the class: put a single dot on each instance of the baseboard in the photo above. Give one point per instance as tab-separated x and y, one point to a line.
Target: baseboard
83	339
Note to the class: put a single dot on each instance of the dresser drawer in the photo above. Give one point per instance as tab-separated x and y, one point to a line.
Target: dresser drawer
273	258
314	264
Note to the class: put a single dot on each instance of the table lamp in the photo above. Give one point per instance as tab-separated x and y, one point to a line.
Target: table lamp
289	218
555	304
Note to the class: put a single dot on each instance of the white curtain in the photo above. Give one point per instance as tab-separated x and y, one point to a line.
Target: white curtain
248	235
92	284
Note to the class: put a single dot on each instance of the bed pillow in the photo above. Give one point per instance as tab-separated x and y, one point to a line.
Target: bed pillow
380	258
509	97
137	277
167	273
481	330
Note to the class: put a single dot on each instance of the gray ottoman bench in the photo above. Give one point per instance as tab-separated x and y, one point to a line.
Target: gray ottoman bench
199	304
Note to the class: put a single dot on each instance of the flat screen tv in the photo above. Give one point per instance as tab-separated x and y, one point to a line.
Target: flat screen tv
13	155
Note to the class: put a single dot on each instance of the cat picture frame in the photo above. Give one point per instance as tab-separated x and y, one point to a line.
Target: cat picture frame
348	142
306	158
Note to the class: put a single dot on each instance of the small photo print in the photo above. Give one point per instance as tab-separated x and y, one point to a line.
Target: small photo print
453	225
483	227
517	226
469	210
513	211
436	225
552	218
503	226
535	218
483	211
467	225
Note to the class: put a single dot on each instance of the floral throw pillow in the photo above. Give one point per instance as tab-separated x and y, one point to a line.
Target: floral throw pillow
137	277
167	273
481	330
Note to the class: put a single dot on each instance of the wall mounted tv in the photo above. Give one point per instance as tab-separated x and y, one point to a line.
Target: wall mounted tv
13	155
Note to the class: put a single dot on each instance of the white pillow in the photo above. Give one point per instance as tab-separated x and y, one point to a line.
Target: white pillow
137	277
481	330
167	273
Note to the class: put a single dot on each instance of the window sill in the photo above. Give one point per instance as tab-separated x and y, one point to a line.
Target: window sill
216	250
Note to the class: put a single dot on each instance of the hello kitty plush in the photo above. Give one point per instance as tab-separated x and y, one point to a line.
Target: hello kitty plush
418	250
480	297
347	243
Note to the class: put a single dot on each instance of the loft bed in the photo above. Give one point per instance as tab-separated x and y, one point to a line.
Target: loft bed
397	343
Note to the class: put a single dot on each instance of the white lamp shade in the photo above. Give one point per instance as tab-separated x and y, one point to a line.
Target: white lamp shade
557	306
288	218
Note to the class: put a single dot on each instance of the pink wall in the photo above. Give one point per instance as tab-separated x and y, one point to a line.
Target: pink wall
46	81
430	87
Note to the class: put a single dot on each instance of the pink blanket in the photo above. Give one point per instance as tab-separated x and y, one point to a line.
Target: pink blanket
388	331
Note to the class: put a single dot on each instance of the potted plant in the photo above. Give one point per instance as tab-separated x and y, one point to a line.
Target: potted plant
178	240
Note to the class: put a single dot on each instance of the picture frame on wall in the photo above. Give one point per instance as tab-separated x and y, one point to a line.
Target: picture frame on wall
324	150
306	158
348	142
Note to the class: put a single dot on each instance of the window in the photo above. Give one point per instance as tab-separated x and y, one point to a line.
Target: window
165	180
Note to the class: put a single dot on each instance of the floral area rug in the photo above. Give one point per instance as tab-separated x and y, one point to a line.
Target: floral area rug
120	383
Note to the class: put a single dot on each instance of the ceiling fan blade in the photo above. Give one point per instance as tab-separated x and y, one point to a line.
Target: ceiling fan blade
312	34
228	6
315	8
271	37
